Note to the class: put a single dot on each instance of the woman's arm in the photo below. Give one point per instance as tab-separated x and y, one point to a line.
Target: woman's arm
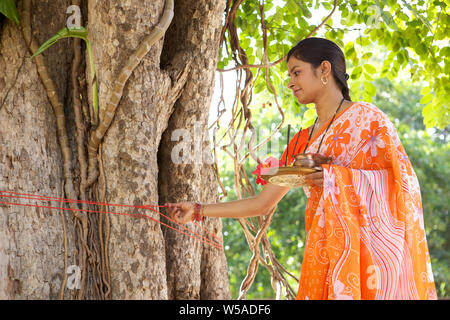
250	207
255	206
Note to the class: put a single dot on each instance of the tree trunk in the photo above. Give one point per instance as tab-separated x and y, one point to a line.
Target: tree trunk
120	257
201	273
32	239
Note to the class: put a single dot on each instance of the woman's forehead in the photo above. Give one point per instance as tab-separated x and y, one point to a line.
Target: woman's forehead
294	62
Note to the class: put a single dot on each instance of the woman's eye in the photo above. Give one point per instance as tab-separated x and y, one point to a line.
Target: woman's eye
296	73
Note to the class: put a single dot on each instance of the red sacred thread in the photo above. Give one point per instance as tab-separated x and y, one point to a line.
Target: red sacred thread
20	195
45	198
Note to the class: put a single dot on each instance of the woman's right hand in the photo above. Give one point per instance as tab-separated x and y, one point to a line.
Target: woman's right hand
181	212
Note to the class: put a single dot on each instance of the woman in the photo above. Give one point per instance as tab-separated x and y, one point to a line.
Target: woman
364	221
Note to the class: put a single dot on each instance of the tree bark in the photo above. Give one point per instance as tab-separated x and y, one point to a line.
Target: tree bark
31	239
170	88
202	271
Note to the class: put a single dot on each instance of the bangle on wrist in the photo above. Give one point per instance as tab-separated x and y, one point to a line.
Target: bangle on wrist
198	212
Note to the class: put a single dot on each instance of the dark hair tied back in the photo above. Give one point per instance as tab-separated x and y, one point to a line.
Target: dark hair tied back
315	51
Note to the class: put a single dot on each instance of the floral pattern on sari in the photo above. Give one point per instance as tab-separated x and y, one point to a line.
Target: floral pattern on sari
339	138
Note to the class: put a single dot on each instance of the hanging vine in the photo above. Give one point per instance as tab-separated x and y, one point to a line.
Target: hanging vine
255	229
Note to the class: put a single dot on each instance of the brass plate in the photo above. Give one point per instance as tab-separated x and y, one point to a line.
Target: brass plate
292	176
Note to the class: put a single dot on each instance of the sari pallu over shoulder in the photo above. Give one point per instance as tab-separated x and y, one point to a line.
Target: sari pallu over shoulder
365	229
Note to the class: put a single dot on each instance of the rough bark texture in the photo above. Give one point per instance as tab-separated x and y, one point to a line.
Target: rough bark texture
31	239
146	260
202	273
130	146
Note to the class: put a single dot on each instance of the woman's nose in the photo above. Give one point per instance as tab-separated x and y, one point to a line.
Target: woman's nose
291	84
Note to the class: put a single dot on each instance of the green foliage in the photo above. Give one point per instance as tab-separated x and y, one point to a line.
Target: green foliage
8	8
428	151
413	35
61	34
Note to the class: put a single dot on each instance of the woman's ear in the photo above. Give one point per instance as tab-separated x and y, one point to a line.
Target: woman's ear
325	67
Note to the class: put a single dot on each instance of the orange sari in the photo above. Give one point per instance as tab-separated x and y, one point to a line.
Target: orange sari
365	230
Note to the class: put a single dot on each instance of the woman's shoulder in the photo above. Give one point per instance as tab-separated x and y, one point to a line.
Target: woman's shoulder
366	106
368	115
369	110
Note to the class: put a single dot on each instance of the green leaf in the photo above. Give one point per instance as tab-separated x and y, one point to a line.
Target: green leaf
400	57
297	107
8	8
426	99
278	16
421	49
63	33
304	9
350	50
367	76
251	59
291	6
425	91
428	115
396	44
327	5
445	52
370	88
259	87
308	117
356	73
369	68
366	55
76	32
245	42
367	97
268	6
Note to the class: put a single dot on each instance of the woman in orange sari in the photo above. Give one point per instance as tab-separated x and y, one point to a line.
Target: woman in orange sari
364	219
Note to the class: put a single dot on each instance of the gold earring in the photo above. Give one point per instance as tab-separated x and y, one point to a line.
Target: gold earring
324	82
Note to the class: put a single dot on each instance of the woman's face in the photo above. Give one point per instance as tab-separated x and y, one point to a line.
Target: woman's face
304	81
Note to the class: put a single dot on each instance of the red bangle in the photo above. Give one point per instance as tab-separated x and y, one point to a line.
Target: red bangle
198	212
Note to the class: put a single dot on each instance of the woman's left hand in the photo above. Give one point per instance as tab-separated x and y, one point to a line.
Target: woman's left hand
315	178
181	212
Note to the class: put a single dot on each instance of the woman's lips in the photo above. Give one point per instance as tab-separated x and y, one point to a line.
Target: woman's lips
297	91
